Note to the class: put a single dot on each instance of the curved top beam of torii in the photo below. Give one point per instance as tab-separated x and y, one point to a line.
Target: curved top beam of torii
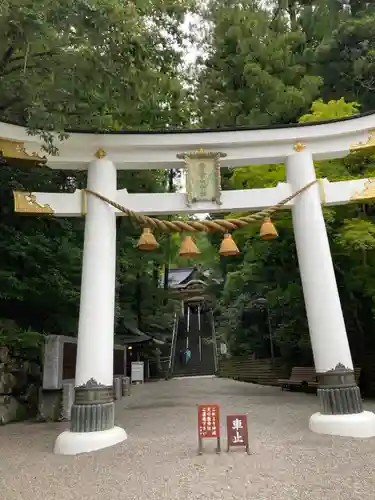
159	149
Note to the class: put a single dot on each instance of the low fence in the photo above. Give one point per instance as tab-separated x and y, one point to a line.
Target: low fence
263	372
256	371
367	378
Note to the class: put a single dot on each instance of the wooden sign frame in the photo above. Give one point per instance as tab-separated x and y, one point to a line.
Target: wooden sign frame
237	432
208	425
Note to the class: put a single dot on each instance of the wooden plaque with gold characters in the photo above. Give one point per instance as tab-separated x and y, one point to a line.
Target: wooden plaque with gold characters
203	180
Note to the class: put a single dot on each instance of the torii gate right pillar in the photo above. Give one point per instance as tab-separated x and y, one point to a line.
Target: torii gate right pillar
341	412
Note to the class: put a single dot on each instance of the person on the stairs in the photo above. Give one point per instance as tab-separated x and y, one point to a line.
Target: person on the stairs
187	355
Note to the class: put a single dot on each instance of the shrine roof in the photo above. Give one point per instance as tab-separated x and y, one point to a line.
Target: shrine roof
180	276
130	334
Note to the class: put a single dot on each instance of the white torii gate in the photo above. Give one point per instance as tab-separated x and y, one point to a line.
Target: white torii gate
92	425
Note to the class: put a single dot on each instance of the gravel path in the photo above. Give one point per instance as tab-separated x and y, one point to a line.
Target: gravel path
159	461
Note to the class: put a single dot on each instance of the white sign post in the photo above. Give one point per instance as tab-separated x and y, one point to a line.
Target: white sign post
138	372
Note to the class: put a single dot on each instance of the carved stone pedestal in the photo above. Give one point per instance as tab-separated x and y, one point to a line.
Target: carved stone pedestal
342	411
338	392
92	421
93	408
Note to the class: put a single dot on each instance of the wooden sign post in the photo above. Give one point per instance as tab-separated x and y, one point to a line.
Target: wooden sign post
237	432
208	425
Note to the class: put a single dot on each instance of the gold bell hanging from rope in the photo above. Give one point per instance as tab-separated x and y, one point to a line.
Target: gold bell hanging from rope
228	246
189	248
147	241
268	230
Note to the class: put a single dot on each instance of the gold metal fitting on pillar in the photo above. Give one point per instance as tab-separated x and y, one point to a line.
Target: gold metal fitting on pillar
189	248
268	230
228	246
83	202
147	241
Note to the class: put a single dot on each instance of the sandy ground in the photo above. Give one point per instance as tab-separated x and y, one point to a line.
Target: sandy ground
159	460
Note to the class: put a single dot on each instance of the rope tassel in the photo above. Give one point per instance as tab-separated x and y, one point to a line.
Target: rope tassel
178	226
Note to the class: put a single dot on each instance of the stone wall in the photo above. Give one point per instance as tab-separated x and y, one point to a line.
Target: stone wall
56	395
20	381
29	390
59	361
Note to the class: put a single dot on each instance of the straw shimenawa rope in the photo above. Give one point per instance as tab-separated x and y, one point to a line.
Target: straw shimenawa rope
192	226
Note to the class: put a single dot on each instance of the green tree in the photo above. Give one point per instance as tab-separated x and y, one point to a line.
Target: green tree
254	73
101	65
347	61
316	18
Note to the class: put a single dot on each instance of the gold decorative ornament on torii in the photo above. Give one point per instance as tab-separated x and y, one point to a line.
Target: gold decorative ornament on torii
14	153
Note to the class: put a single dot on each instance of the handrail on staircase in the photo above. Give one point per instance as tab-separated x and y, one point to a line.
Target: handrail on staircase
214	342
173	344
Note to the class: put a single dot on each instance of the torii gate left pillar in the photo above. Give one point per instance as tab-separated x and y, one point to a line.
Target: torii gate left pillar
93	412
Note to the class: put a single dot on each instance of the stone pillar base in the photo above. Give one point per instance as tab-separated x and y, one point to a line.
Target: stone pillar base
356	425
338	392
73	443
341	406
93	409
92	418
92	421
340	401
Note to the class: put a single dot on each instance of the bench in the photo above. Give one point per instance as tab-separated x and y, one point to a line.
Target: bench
301	376
305	376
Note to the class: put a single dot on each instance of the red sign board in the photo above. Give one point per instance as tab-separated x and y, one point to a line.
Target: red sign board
208	421
237	431
208	424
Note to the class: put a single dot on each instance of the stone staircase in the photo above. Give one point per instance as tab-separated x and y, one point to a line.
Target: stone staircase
202	353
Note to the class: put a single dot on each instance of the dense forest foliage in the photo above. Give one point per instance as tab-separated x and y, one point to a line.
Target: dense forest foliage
109	65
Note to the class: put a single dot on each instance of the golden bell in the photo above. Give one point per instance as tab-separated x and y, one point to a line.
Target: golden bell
268	230
189	248
147	241
228	247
